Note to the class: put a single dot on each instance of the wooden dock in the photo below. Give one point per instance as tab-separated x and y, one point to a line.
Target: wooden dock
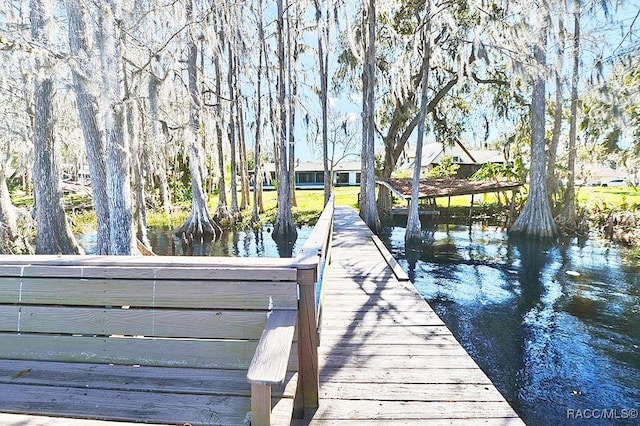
385	357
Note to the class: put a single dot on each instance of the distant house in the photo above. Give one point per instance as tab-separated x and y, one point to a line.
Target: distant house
311	175
469	160
594	174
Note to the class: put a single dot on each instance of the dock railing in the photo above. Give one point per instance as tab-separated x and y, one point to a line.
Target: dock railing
310	262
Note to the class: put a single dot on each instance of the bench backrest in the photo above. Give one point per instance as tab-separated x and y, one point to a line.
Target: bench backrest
164	311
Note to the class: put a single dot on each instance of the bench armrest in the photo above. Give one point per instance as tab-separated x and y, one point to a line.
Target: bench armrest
269	363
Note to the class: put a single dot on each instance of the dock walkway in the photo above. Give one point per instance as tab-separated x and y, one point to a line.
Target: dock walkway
385	357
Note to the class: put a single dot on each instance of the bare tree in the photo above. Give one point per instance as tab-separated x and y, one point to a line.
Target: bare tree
343	140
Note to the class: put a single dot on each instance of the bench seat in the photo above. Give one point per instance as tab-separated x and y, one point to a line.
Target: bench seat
204	341
149	394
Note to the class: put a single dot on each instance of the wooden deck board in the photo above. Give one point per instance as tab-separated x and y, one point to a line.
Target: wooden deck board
127	393
385	357
124	377
373	376
7	419
391	411
419	363
123	405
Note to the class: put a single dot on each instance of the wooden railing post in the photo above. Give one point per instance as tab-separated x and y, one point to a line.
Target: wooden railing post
308	336
260	405
309	262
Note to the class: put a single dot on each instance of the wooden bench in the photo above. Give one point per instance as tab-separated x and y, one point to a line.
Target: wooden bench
156	340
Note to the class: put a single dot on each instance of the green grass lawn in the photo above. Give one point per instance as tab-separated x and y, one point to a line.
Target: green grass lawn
310	204
622	198
314	198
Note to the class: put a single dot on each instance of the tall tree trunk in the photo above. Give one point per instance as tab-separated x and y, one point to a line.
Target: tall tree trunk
413	232
199	225
368	208
222	211
292	146
232	133
54	234
283	229
536	219
324	84
292	50
157	145
569	200
257	160
552	181
136	154
139	199
87	104
273	120
244	166
122	239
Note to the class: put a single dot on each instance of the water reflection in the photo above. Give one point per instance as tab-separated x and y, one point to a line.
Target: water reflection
554	327
245	243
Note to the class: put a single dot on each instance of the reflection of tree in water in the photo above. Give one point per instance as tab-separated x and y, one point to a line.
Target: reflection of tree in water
285	246
200	247
260	250
236	243
246	243
533	260
415	251
536	307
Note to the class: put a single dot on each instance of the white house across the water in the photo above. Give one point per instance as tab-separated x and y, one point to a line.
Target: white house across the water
468	160
311	175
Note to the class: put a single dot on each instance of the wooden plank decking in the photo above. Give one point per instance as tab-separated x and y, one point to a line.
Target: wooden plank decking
385	357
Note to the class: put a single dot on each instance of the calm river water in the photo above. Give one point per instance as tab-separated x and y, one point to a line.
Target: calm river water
248	243
556	328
